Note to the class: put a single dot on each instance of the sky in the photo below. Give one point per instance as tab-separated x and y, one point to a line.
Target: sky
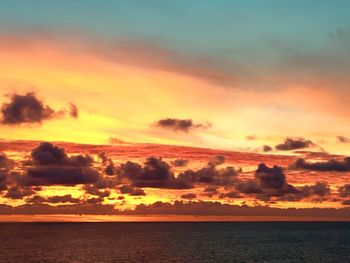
263	80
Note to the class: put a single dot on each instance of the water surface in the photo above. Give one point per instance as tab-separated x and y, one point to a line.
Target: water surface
176	242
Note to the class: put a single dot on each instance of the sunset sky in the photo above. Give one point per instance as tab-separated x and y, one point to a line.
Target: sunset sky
182	108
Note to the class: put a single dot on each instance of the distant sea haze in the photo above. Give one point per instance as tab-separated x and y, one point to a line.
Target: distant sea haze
176	242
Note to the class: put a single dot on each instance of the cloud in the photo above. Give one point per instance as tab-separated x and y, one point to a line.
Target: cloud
62	199
73	111
210	191
249	187
330	165
293	144
344	191
217	208
3	181
93	189
109	168
16	192
321	189
179	162
195	208
268	182
211	175
267	148
52	166
189	196
61	175
217	160
129	52
155	173
26	109
346	202
129	189
29	109
251	137
270	177
184	125
37	199
5	167
48	154
343	139
230	194
92	207
115	140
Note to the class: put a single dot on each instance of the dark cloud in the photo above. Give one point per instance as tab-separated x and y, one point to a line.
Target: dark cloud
320	189
129	189
26	109
270	177
267	148
189	196
179	162
249	187
155	173
184	125
217	160
52	166
91	206
5	166
130	170
217	208
50	175
94	207
268	182
3	181
73	111
62	199
294	144
16	192
36	199
330	165
346	202
48	154
343	139
103	156
94	201
211	175
230	194
109	168
94	189
210	191
344	191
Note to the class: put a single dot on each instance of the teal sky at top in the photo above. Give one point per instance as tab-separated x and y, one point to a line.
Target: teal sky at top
237	29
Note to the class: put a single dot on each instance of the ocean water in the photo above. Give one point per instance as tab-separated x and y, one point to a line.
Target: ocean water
176	242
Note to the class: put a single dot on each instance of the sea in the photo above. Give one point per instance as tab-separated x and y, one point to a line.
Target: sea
176	242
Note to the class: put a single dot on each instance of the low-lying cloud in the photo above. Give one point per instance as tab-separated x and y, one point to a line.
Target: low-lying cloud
290	144
183	125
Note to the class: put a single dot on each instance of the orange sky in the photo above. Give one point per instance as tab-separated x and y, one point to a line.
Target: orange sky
123	95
